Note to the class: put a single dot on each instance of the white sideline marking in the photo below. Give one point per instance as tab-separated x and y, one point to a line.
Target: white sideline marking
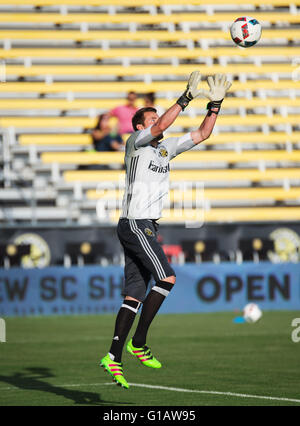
239	395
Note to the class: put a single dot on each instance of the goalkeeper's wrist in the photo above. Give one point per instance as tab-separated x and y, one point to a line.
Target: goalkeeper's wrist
183	101
214	107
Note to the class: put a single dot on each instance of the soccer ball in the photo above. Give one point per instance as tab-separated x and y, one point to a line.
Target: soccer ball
252	312
245	31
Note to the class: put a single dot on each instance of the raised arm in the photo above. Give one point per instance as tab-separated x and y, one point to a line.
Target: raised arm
168	118
219	86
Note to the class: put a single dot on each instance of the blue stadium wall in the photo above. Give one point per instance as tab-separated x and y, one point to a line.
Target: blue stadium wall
204	287
199	288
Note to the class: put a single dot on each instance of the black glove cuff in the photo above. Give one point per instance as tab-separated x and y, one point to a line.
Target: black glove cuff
214	104
183	101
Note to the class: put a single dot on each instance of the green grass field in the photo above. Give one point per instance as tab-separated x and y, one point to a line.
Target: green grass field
54	361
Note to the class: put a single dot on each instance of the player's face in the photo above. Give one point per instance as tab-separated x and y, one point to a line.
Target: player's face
150	118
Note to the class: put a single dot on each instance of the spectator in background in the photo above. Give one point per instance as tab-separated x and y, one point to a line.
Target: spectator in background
149	101
124	113
104	137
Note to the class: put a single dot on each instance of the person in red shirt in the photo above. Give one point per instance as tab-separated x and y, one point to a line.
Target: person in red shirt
124	113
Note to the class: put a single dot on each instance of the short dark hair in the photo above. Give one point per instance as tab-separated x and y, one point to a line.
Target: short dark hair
150	96
132	92
139	117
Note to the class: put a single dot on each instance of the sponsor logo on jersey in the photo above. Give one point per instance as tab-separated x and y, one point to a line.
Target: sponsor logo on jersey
148	232
158	169
163	152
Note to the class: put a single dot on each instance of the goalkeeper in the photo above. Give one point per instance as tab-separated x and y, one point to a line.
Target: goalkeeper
147	183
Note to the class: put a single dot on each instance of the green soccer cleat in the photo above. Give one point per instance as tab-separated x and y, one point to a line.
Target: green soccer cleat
144	355
115	369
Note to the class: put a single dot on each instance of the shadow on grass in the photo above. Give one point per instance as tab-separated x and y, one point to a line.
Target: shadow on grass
33	379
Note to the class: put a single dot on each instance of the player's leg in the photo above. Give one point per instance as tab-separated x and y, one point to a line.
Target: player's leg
137	345
134	291
135	285
153	257
112	361
151	306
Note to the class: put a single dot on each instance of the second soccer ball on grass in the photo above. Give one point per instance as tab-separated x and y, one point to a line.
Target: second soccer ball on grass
252	312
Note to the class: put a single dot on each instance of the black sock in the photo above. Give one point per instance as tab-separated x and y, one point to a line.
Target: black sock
124	321
151	306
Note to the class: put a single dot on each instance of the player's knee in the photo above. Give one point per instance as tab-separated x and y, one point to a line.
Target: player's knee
132	298
171	279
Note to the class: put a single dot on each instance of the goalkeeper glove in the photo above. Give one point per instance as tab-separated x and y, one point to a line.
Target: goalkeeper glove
219	86
191	91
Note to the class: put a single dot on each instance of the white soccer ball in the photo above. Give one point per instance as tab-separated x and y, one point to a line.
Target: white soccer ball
245	31
252	312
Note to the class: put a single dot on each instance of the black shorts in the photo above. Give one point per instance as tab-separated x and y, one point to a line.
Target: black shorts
144	256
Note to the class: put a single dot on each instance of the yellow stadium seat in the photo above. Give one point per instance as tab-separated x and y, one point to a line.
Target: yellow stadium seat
210	175
141	87
211	194
219	139
163	52
68	139
140	3
137	69
184	121
140	18
226	215
107	104
83	157
48	122
253	138
229	215
92	35
229	194
193	158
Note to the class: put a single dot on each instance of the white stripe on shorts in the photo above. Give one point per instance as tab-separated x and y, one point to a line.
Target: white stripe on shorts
152	256
151	251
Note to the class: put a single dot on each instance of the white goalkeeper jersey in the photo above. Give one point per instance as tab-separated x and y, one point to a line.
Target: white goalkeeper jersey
147	173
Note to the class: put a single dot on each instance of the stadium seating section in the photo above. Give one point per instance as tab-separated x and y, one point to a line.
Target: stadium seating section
62	65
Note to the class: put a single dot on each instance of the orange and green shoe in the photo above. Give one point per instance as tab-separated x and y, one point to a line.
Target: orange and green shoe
115	369
144	355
